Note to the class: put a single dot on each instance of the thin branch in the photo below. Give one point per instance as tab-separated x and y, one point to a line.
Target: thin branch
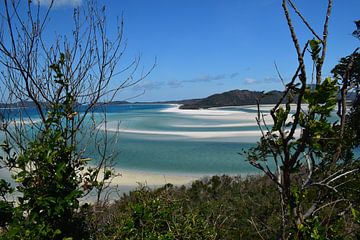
304	20
324	43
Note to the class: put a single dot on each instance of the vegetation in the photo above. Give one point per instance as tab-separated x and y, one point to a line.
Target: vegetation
221	207
312	193
64	81
315	171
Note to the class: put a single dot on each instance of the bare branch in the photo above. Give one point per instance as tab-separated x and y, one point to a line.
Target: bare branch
304	20
324	44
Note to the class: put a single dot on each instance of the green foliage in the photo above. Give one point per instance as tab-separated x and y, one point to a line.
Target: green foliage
356	215
353	125
221	207
342	71
315	49
314	170
347	71
356	33
281	118
312	229
6	208
217	208
47	175
323	99
157	217
49	190
321	103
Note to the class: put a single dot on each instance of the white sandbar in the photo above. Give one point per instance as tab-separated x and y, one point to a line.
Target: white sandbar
248	120
188	134
249	124
217	114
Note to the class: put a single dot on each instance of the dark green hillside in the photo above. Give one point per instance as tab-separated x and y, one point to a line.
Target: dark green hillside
235	98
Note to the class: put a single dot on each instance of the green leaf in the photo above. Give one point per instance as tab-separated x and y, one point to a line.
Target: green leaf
315	49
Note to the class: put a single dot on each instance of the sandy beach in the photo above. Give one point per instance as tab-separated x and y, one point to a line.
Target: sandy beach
129	180
137	177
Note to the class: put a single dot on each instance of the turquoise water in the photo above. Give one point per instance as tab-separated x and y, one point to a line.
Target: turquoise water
159	138
152	138
158	144
179	156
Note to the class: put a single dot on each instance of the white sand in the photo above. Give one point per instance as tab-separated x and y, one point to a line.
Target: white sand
175	109
134	178
249	124
188	134
23	122
131	179
217	114
214	114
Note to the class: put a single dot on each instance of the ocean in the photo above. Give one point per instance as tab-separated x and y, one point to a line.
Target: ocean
149	142
161	138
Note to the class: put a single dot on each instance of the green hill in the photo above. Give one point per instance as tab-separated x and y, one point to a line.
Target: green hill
235	98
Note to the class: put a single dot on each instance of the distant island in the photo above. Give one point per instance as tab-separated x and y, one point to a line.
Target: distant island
230	98
234	98
238	98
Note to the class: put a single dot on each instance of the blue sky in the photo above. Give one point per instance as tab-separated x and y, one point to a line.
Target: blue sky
204	47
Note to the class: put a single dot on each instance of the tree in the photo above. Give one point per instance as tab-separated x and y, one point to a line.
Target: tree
348	73
302	152
64	82
356	33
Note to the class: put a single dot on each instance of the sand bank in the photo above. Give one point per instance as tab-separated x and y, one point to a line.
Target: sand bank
217	114
187	134
249	124
247	120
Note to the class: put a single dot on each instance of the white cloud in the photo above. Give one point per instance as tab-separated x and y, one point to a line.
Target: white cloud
210	78
234	75
175	84
148	85
59	3
271	80
250	80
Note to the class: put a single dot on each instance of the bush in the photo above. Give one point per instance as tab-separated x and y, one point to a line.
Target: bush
221	207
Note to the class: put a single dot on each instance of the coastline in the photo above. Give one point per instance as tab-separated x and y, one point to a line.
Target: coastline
130	180
135	178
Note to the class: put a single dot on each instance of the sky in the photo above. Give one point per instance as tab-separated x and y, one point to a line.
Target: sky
204	47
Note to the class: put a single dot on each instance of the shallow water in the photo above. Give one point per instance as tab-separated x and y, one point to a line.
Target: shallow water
156	139
162	138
